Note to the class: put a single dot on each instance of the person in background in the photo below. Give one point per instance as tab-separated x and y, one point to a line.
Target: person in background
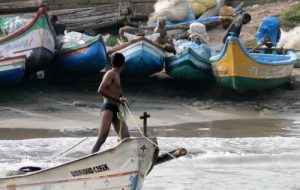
226	14
110	89
59	29
161	29
236	27
58	26
268	33
163	37
197	33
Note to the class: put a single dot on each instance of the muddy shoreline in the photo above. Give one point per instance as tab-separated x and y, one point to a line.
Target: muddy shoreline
72	109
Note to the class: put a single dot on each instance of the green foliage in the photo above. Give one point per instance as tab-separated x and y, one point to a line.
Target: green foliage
112	41
292	16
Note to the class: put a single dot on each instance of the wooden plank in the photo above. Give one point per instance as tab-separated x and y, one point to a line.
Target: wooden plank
96	25
21	6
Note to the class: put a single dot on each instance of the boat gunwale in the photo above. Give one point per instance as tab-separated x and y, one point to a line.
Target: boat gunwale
27	27
88	43
74	161
290	61
131	42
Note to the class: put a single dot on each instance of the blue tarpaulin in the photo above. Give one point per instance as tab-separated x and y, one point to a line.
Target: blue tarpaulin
269	29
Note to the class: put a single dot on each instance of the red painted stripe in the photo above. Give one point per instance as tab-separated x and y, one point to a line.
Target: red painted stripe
28	26
13	186
82	50
12	58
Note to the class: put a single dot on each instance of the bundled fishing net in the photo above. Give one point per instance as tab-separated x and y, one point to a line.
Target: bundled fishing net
10	24
72	39
173	10
201	6
290	39
203	50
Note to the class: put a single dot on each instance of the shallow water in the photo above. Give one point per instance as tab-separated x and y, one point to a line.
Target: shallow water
223	157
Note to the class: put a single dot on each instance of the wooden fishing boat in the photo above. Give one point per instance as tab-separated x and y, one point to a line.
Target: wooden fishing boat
142	57
237	68
88	57
36	39
123	167
188	65
12	69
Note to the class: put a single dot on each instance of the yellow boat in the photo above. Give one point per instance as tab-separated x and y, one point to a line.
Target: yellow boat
235	67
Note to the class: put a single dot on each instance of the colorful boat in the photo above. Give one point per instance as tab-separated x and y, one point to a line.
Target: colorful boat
188	65
237	68
35	39
143	57
12	69
122	167
88	57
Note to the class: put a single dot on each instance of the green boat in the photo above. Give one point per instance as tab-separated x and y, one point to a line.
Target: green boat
189	65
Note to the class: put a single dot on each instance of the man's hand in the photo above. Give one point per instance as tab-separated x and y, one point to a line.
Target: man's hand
123	101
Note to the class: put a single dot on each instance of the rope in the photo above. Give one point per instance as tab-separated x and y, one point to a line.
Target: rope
138	127
62	153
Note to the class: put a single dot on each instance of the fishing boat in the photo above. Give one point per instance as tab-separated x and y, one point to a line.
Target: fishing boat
36	39
86	57
235	67
143	57
12	69
124	166
189	65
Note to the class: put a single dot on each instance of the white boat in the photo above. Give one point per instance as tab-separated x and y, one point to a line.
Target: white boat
123	167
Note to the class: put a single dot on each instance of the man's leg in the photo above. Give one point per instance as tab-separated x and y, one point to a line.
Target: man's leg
106	118
124	128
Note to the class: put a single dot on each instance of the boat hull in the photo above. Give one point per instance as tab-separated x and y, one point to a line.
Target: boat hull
12	70
36	40
188	65
142	57
122	167
88	58
237	69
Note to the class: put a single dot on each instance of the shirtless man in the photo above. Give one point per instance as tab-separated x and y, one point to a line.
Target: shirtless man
161	29
110	89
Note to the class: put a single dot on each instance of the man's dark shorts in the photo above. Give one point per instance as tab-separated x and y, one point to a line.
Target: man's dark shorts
113	108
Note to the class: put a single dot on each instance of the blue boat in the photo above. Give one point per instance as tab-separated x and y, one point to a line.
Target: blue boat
189	65
12	69
142	57
88	57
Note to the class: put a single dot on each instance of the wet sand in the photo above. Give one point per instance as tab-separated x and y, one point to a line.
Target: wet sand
72	109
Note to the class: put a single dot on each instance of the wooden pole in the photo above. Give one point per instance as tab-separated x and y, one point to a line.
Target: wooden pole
144	118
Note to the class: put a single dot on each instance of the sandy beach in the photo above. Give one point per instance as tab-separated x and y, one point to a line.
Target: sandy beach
72	108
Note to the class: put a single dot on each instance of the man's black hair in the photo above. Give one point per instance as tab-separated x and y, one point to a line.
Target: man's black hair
247	16
53	18
118	60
